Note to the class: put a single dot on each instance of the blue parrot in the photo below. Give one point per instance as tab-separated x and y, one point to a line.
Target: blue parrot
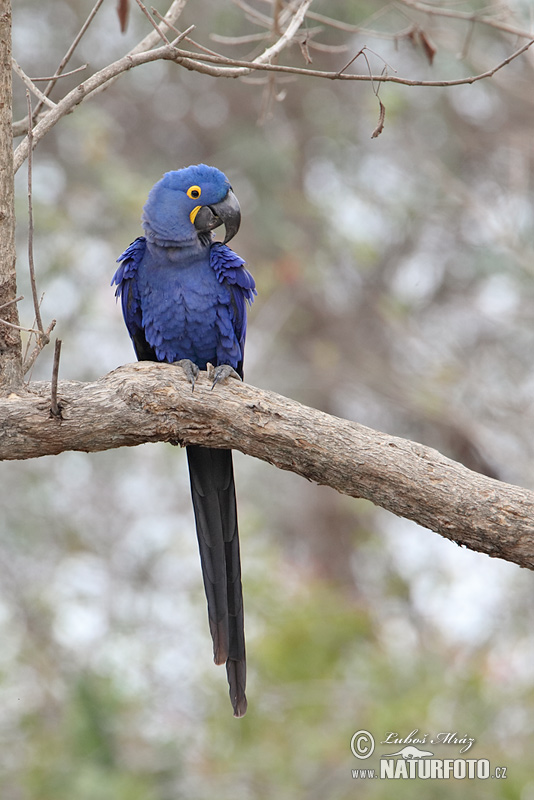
184	300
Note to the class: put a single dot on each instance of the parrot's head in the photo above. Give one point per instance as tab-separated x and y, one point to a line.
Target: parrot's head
188	202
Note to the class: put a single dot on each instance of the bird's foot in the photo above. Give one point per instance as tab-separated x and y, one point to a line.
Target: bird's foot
190	369
221	373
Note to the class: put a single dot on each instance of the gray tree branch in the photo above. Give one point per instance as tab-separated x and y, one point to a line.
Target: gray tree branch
147	402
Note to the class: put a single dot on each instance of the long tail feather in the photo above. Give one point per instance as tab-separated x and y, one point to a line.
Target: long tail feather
214	503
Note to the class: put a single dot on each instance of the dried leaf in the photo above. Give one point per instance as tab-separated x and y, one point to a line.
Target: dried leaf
420	38
305	51
428	46
381	118
412	35
123	8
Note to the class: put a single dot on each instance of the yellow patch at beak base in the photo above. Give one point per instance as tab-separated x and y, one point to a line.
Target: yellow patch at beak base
193	214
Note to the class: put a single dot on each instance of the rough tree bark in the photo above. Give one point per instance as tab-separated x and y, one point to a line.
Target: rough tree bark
148	402
10	343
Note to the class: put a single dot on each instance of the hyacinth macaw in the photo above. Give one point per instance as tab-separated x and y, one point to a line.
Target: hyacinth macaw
184	300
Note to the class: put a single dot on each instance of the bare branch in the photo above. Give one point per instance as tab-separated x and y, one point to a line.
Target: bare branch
63	74
150	41
10	302
79	93
184	35
287	36
153	38
345	26
466	16
179	35
234	68
21	126
219	66
233	40
277	17
31	86
68	55
154	24
253	14
34	331
105	76
43	338
326	48
147	402
31	263
54	406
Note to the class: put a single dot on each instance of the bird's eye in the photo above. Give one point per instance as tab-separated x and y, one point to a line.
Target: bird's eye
194	192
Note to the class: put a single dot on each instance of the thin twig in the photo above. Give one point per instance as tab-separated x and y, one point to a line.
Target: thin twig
21	327
277	17
363	52
183	35
269	94
201	47
236	68
145	45
154	24
66	58
27	81
63	75
253	14
54	407
42	340
10	302
31	332
327	48
105	77
467	42
233	40
31	264
180	35
344	26
466	16
376	91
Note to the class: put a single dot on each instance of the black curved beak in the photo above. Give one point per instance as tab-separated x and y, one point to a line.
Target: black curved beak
227	212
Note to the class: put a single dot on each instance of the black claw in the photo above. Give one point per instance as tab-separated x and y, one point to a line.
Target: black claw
190	369
222	372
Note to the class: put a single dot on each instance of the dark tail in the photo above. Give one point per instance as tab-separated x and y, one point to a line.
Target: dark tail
213	492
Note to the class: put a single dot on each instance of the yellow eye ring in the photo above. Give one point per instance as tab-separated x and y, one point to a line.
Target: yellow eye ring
194	192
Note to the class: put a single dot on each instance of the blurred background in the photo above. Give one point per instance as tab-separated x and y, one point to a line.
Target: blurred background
395	288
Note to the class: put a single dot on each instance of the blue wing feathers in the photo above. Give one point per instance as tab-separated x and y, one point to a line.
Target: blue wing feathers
127	289
230	269
179	322
129	262
228	266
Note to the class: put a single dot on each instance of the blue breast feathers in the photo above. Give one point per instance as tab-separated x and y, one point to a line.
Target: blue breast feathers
173	311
